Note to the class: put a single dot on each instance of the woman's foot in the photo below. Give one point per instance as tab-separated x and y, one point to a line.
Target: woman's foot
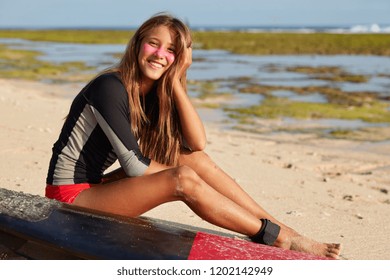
294	241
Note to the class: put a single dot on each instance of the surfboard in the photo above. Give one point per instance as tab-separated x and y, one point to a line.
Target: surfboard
38	228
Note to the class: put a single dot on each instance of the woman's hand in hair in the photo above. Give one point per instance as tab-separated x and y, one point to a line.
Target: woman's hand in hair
187	61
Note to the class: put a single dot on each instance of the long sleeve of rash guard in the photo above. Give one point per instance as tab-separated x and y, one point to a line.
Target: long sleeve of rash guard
108	100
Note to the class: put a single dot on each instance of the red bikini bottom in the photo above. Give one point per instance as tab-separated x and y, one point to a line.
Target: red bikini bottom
65	193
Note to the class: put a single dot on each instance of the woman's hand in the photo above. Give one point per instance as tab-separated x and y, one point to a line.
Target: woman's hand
187	61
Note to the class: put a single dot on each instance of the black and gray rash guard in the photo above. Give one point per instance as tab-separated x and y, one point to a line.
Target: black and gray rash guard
95	134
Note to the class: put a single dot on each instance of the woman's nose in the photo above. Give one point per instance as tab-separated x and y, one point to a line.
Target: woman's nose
160	53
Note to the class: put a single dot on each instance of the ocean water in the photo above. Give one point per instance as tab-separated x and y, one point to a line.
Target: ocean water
357	28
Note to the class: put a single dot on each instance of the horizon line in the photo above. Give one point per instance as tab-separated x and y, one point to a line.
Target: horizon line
202	27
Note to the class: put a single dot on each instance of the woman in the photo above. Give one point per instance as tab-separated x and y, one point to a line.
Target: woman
143	100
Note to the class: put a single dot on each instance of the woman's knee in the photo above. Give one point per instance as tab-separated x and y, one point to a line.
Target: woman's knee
194	159
187	182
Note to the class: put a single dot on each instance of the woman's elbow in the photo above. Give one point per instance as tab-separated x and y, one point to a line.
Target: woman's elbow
198	146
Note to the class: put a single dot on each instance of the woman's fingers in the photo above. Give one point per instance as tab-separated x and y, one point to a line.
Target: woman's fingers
187	61
188	57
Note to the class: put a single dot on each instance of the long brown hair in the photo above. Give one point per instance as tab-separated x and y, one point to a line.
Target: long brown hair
159	127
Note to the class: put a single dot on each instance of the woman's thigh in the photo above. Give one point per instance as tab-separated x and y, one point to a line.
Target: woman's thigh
131	196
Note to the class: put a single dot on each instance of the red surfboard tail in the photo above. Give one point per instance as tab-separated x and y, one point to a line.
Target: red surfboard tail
208	246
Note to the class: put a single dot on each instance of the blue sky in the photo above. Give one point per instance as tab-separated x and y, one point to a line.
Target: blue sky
126	13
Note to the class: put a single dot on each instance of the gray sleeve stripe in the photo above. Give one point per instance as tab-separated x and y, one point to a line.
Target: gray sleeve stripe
65	167
128	159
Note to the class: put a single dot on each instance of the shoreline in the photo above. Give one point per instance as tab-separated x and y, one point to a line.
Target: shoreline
331	190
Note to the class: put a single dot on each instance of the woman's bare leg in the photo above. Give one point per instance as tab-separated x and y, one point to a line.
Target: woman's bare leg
134	196
210	172
214	176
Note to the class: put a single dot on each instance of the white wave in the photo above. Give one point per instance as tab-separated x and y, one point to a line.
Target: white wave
372	28
359	28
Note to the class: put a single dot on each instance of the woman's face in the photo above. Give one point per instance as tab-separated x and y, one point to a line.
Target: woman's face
157	53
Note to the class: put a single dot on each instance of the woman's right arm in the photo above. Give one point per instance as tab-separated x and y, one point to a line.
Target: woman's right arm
155	167
119	173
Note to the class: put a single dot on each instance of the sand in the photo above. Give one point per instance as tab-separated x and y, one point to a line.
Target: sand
327	189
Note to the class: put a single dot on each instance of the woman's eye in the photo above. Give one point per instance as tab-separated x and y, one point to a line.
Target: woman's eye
153	44
171	50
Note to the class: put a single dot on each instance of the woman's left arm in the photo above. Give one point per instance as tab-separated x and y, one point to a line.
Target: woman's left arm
191	124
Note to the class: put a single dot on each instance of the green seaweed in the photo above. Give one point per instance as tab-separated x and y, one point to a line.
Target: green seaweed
82	36
334	95
272	107
295	43
23	64
373	134
235	42
329	73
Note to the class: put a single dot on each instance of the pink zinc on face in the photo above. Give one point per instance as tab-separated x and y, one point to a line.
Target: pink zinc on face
159	51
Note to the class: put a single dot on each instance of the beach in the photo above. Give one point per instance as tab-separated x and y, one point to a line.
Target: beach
330	190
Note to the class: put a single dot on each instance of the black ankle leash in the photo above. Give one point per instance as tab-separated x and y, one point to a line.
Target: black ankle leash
267	234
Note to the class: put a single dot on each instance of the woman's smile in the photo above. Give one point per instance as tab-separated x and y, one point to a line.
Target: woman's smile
156	65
